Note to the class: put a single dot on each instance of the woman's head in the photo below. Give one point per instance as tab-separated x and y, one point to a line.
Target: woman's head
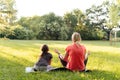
45	48
76	37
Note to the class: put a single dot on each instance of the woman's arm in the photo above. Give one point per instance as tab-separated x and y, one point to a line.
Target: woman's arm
65	58
59	54
87	54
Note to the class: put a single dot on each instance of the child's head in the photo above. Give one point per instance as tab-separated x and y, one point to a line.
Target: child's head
45	48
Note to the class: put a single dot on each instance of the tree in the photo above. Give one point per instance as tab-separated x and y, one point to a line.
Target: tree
114	17
31	23
114	14
73	21
96	18
51	26
7	11
80	20
97	15
48	26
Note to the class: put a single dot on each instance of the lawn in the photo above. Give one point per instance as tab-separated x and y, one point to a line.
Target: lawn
15	55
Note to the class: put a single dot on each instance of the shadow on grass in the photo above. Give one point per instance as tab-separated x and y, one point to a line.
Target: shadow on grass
102	75
12	67
15	59
16	68
8	68
65	75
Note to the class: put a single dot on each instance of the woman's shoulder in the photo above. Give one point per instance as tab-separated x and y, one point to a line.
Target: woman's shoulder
68	46
82	45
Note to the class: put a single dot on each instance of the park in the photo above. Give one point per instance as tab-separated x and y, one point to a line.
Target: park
21	40
15	55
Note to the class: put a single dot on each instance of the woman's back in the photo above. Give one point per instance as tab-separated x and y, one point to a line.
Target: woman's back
76	57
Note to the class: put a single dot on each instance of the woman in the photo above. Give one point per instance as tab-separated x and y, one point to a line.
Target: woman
75	58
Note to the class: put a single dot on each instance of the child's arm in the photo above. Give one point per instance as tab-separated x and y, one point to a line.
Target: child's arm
49	62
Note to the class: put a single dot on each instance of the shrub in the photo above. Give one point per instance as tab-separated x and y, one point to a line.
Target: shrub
23	33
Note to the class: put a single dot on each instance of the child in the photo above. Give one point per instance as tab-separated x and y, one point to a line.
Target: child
44	61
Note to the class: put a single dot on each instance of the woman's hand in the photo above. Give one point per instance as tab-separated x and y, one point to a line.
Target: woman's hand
56	51
88	53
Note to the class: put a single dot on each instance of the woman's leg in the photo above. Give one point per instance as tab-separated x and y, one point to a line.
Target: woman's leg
86	58
64	63
85	61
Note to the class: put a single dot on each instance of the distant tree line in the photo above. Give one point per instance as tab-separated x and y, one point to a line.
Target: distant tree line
95	24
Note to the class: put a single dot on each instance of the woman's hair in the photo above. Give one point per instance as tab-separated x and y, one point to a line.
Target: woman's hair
76	37
44	49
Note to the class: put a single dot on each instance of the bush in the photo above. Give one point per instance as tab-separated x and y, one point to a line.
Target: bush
92	34
6	32
16	32
63	33
118	34
22	33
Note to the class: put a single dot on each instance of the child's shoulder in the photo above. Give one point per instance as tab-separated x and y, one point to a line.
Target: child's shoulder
49	54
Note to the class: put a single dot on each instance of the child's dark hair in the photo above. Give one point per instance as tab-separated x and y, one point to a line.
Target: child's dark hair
44	49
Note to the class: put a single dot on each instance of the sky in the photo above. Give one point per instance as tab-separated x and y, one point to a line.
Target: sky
59	7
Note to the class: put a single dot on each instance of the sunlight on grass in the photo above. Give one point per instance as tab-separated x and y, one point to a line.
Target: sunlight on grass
12	54
103	49
15	55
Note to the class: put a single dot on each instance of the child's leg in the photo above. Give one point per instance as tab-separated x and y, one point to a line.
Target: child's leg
39	68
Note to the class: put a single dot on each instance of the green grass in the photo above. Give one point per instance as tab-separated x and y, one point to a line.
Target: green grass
15	55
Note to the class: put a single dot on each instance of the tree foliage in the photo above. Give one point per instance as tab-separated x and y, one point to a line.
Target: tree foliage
48	26
114	14
74	21
51	26
7	12
94	24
